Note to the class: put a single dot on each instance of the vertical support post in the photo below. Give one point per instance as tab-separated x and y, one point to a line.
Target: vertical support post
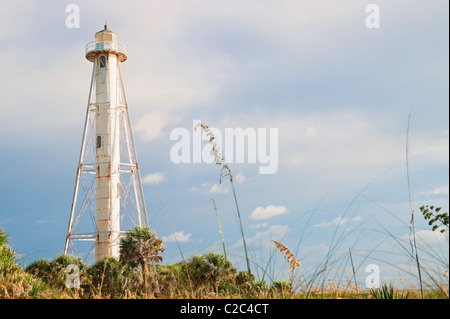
133	149
80	163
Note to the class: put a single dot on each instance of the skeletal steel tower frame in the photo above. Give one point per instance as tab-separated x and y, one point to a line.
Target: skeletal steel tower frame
108	185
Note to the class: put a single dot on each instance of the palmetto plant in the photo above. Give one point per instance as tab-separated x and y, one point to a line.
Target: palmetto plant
55	272
141	246
3	237
211	268
109	277
14	281
387	292
7	255
7	259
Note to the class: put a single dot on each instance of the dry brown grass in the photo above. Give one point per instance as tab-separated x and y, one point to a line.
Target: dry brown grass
293	261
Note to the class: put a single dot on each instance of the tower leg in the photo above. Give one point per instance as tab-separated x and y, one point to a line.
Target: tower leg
83	152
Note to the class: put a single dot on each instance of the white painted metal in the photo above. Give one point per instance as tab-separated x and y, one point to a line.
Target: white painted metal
107	150
108	134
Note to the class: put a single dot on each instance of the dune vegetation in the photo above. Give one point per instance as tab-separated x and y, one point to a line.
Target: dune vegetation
137	274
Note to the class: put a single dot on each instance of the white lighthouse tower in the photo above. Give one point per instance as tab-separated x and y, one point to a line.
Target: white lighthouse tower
108	185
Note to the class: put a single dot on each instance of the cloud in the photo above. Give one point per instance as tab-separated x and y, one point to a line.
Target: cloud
268	212
337	221
151	126
8	17
218	189
343	144
444	190
42	221
263	225
181	237
264	239
428	236
316	249
210	189
354	140
239	178
153	178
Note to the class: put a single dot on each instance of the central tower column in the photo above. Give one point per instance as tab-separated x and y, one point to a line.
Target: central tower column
107	145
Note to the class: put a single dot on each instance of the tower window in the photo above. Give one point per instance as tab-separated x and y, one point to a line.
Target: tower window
99	141
102	62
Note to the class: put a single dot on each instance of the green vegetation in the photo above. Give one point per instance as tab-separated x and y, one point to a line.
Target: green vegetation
202	276
387	292
16	282
435	218
141	247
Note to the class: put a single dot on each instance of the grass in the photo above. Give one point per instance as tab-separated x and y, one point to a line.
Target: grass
225	171
388	292
211	275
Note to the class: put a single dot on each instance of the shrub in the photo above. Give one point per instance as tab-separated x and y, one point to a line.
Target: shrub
14	281
387	292
55	273
210	269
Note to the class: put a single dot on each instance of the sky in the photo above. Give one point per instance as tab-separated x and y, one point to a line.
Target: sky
341	96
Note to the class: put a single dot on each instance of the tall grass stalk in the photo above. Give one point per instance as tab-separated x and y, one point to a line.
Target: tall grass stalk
220	229
219	160
225	167
353	268
413	227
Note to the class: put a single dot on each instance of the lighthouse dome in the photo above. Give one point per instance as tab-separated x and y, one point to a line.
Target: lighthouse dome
106	41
